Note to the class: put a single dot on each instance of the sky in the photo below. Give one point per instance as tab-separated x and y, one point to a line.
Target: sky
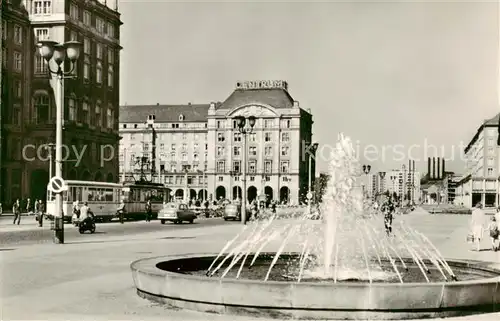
397	78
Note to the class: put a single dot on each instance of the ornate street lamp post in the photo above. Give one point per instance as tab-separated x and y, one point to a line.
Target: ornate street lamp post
312	151
51	50
366	170
244	130
393	179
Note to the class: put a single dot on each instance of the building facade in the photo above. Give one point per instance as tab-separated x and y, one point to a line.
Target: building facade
406	184
480	181
17	71
199	147
91	94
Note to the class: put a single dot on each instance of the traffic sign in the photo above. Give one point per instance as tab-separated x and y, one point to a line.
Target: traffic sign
309	195
57	185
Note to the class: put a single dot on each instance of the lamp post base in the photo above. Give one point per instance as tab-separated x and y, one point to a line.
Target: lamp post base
59	237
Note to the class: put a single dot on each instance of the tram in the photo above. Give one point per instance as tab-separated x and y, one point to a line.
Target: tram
136	194
102	198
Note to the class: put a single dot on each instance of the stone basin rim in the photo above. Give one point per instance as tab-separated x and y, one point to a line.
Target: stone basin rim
148	266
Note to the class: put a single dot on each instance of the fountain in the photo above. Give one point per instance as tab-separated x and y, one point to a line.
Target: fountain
344	266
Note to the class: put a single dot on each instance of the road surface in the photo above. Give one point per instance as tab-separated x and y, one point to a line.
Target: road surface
28	233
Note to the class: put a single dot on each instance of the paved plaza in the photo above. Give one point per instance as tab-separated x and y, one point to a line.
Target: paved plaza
90	278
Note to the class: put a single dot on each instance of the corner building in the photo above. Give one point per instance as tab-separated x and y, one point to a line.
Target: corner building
277	158
91	97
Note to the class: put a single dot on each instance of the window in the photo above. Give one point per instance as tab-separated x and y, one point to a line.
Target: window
109	117
111	30
98	116
40	64
85	113
98	51
196	158
237	137
110	76
286	123
195	146
285	167
98	76
16	115
237	150
237	166
220	137
252	137
268	151
146	147
490	171
219	124
173	168
172	147
268	166
18	89
285	150
184	147
86	46
491	161
285	137
268	123
221	167
73	36
86	18
111	56
99	24
73	11
18	34
4	29
41	34
71	110
86	68
41	7
252	166
220	150
18	61
4	59
252	151
184	136
267	137
42	107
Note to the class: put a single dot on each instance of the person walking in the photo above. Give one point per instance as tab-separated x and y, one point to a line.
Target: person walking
16	209
494	234
477	225
148	211
121	211
29	208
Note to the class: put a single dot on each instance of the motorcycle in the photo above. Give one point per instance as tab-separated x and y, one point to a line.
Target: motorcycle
87	224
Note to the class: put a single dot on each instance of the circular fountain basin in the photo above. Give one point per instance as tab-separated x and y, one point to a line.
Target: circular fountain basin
181	282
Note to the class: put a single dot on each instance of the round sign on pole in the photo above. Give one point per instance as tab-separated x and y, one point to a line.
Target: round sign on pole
309	195
57	185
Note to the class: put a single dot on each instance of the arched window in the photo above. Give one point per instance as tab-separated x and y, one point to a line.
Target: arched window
181	117
98	116
85	113
42	107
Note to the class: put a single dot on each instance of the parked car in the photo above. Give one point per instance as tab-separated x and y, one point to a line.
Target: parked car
232	212
177	213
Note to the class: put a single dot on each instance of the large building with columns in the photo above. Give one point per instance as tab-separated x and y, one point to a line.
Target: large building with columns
480	182
199	147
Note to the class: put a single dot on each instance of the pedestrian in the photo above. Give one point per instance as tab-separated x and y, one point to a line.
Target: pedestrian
1	210
494	234
29	208
39	212
477	224
273	206
76	213
148	211
388	208
121	211
16	209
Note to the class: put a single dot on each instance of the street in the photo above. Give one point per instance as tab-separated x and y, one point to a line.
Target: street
28	232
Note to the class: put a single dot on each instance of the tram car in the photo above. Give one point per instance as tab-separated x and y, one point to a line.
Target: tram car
136	194
102	198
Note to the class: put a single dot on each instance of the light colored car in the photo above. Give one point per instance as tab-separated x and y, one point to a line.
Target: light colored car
232	212
177	213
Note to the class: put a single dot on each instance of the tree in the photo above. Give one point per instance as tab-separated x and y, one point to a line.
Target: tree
320	186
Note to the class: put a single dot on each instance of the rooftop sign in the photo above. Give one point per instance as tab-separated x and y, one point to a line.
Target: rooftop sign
262	84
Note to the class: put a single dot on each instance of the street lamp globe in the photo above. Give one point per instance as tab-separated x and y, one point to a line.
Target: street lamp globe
251	121
73	50
46	49
240	121
59	54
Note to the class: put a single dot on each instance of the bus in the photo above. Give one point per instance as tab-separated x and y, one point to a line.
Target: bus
136	194
103	199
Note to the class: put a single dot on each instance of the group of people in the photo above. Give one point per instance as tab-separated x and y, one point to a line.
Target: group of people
479	224
37	207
